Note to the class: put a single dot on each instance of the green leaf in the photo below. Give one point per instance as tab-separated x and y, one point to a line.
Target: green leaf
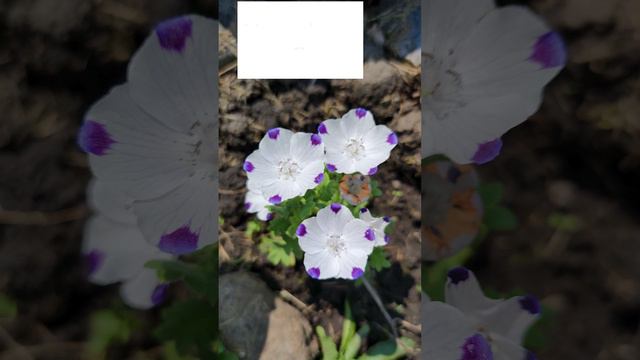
253	226
354	344
348	327
200	278
500	218
389	350
378	259
327	346
107	328
277	250
491	193
192	325
8	308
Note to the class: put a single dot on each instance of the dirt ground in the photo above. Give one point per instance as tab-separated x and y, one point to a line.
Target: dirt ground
579	156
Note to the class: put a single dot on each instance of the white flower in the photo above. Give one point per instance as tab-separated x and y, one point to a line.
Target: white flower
116	251
285	165
484	71
354	143
471	326
336	244
255	202
155	137
378	225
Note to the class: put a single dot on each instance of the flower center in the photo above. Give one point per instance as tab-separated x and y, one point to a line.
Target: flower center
336	245
355	148
442	88
288	169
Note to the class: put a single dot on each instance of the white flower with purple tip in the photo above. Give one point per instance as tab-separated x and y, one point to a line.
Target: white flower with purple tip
470	326
155	137
378	224
255	202
354	143
116	251
285	165
336	245
485	68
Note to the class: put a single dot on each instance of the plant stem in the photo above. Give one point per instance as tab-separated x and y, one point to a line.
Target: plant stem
376	298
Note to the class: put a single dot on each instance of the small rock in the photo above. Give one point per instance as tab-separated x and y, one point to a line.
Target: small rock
255	324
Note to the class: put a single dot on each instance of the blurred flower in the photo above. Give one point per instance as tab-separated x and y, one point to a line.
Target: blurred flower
254	202
285	165
378	224
336	244
355	188
485	68
354	143
469	325
116	251
451	208
155	137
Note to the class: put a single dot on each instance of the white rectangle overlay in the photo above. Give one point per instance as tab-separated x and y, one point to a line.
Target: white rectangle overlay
300	39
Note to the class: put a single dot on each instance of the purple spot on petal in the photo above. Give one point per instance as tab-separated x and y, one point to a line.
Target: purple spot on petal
247	205
360	113
301	230
269	216
331	167
273	133
458	274
173	33
373	170
94	260
476	347
314	272
322	128
275	199
392	138
386	219
179	242
94	138
363	210
316	139
487	151
530	304
356	272
549	51
319	178
248	166
387	239
159	294
335	207
370	235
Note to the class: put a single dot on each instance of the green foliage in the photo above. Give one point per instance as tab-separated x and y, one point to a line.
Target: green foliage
378	259
351	342
280	243
108	327
192	325
8	308
496	216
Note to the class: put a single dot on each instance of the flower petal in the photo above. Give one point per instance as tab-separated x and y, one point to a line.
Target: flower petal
445	330
321	265
110	202
333	219
315	239
143	291
463	291
174	75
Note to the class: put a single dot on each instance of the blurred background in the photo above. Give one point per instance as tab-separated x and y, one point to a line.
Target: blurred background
56	59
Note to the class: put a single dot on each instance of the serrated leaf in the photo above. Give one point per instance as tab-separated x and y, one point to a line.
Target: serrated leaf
378	259
253	226
192	325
